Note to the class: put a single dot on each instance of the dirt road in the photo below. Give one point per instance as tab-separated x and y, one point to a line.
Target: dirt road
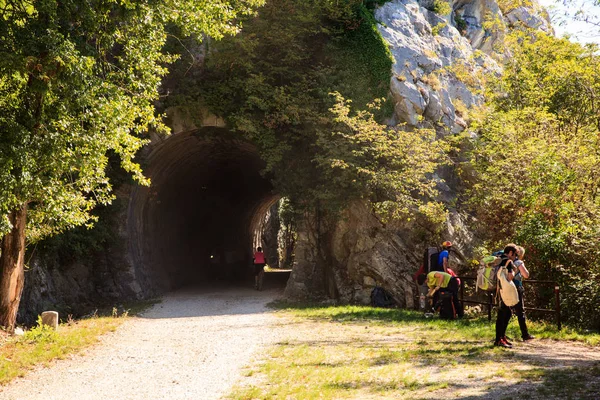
190	346
195	343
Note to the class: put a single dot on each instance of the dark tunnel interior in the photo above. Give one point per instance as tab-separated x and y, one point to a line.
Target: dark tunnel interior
199	219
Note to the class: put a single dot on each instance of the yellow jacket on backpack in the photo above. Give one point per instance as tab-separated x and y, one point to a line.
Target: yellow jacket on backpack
486	275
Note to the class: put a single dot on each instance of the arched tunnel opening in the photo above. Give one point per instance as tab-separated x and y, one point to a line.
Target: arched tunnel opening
202	216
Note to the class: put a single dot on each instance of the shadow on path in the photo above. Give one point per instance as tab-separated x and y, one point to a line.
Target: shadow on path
219	298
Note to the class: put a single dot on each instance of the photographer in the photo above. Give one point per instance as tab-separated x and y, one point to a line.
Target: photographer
504	312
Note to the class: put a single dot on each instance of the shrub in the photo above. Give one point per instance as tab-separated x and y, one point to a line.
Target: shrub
441	7
41	333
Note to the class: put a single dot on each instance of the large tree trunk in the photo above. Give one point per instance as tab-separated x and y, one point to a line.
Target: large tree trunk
12	260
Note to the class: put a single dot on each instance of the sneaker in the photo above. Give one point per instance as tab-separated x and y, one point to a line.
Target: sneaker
502	343
505	338
528	337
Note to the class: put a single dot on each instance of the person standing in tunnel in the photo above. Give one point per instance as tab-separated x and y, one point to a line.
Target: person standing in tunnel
259	268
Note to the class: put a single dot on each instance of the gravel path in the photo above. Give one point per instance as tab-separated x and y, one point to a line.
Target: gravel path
190	346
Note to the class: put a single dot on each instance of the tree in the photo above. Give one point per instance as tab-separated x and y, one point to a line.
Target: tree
583	15
78	81
272	84
534	167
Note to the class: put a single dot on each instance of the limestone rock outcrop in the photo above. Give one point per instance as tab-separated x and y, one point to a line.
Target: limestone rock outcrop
437	58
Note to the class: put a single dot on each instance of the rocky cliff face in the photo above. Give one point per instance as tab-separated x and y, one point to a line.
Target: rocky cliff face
438	59
105	278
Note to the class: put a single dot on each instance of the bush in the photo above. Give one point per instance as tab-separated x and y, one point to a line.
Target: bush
41	333
441	7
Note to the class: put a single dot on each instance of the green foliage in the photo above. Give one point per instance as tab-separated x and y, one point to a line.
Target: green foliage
78	81
287	235
441	7
272	84
534	167
461	24
41	333
437	28
507	6
391	163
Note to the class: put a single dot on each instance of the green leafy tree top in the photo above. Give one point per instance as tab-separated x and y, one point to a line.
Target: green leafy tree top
78	80
533	171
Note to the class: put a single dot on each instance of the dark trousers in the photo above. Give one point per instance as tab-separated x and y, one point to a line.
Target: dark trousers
519	310
452	288
502	320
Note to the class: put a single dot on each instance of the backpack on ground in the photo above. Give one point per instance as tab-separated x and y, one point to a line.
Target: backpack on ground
487	275
445	306
381	298
508	290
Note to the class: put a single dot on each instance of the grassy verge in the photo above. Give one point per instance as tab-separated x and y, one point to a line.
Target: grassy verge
369	353
41	345
468	328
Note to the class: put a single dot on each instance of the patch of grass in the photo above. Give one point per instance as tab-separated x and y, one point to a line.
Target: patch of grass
474	328
311	372
548	330
572	383
20	354
366	352
41	344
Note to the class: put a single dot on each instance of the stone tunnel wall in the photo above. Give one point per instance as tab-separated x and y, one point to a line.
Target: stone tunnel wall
195	223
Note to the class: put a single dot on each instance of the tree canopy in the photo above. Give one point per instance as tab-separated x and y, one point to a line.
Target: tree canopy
534	167
297	82
78	82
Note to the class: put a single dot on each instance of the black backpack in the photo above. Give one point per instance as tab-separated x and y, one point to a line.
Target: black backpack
445	306
381	298
430	260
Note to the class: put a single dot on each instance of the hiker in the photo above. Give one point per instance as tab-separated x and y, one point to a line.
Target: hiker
259	267
521	273
444	256
504	312
437	280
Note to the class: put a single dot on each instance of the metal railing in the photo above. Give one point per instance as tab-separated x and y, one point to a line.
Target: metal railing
491	303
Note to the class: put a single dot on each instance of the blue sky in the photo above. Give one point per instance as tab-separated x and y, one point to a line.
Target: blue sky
579	31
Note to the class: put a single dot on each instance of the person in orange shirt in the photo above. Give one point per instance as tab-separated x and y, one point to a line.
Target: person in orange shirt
259	268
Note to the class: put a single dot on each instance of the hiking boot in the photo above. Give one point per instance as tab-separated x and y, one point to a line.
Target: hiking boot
528	337
505	338
502	343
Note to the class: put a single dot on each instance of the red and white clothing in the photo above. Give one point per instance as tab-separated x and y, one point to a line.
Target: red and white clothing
259	257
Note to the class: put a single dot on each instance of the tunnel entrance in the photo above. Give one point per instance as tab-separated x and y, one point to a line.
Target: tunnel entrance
199	219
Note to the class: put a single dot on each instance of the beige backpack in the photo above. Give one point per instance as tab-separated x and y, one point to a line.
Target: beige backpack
508	290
